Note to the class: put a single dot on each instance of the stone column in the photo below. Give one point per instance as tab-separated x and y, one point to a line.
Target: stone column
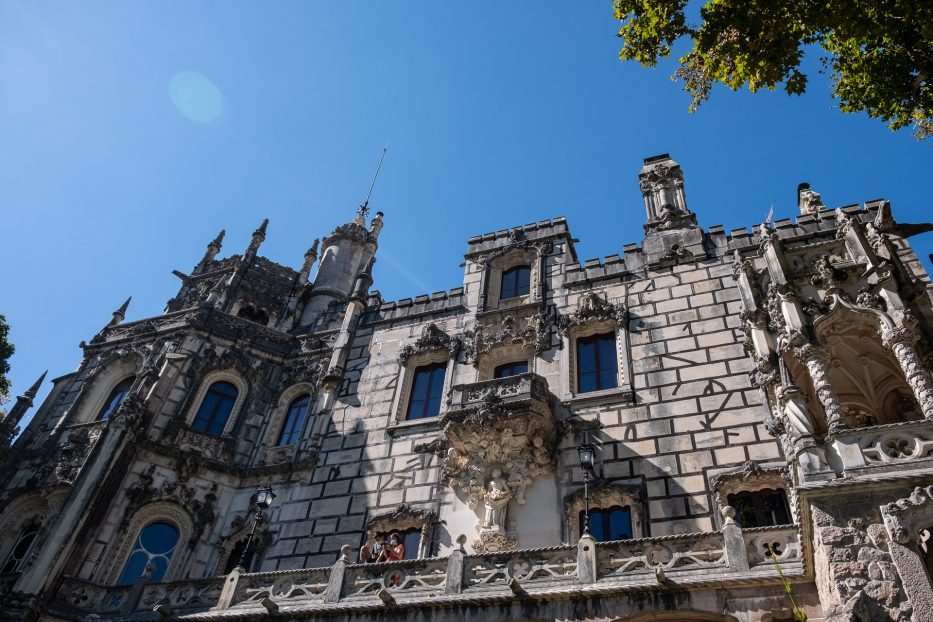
815	358
901	342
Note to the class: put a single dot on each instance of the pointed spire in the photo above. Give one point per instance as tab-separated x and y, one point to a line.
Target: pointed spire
10	422
31	392
213	247
120	314
259	236
310	258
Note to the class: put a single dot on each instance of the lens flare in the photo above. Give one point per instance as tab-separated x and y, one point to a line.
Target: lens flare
196	97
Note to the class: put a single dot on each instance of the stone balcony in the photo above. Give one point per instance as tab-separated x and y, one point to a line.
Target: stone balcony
713	560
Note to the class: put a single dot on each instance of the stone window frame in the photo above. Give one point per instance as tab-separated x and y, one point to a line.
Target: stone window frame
585	324
277	420
104	382
31	508
403	518
499	355
602	496
222	375
406	382
904	521
495	266
751	477
165	512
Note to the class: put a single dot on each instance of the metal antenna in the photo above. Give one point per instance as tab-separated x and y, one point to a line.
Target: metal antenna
364	206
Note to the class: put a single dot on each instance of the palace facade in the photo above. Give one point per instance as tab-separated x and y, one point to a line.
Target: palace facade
753	412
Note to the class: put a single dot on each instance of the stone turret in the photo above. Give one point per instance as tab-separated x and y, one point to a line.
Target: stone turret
671	231
345	254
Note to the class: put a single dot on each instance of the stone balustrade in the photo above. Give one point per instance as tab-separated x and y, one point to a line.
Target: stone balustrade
522	387
890	447
724	556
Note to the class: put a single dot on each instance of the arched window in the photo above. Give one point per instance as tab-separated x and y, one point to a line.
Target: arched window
511	369
215	408
614	523
597	368
760	508
426	391
515	282
14	561
235	554
294	419
115	398
155	545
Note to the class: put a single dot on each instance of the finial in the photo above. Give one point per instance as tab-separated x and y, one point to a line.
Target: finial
31	392
120	314
310	258
213	247
262	228
363	211
313	249
259	236
218	241
375	226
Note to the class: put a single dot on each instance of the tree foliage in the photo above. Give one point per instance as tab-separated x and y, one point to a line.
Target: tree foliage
879	53
6	351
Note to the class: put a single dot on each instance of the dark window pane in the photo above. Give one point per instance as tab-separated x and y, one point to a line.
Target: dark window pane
115	398
20	550
511	369
596	363
620	524
515	282
761	508
426	391
155	545
412	541
291	428
215	409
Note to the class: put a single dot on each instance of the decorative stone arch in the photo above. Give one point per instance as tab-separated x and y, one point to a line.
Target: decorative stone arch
224	375
595	316
434	346
23	511
239	532
113	368
498	262
281	410
506	353
161	511
751	477
905	520
604	495
403	518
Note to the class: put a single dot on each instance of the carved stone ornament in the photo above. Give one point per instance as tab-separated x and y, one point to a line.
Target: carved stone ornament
502	436
592	308
826	275
517	242
351	231
532	333
905	517
432	339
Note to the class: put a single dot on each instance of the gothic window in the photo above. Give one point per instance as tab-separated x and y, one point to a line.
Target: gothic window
21	548
614	523
426	391
235	554
760	508
291	428
511	369
215	408
252	315
597	368
115	398
155	545
515	282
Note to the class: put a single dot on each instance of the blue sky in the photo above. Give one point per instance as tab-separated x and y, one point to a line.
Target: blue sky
131	132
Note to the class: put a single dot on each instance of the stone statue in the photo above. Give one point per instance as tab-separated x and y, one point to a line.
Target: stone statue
497	499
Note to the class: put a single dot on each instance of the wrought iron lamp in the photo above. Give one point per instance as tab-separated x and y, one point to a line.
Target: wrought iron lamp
586	454
264	497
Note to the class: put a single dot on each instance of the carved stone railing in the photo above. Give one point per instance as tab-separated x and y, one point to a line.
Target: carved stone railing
409	577
523	387
885	447
784	540
179	595
219	448
99	599
529	567
648	555
712	557
308	584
